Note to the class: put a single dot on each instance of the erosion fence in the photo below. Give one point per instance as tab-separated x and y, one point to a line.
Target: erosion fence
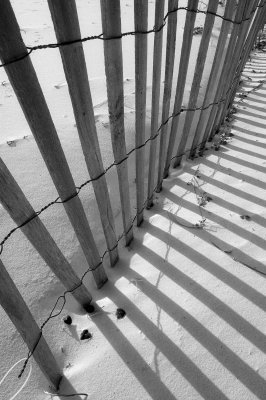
165	142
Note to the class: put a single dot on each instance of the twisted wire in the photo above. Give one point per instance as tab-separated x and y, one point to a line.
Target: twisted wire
101	36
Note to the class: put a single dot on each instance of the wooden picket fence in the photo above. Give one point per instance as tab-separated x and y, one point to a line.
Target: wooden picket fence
241	22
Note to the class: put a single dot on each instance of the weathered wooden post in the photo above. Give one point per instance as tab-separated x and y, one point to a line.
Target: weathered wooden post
195	87
141	25
156	87
249	41
19	313
20	210
258	21
25	83
214	76
168	82
246	49
181	80
66	24
235	64
219	92
111	23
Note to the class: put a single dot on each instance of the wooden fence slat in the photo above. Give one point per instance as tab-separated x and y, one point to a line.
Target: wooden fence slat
66	24
181	80
111	23
195	87
252	39
225	71
141	46
168	82
214	76
248	39
18	207
19	313
156	88
258	21
25	83
234	65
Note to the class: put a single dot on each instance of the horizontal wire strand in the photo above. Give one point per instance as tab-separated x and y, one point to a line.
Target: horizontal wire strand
79	188
131	33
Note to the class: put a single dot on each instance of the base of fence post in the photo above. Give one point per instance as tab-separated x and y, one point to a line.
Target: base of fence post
20	315
150	204
177	162
140	220
166	173
129	236
159	187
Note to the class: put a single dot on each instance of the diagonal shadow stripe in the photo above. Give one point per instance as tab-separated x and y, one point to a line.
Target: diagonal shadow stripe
218	220
238	230
216	305
218	349
132	359
247	131
235	174
245	163
202	384
230	189
252	123
247	113
252	106
252	97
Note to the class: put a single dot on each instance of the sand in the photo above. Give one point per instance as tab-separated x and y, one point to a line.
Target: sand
193	295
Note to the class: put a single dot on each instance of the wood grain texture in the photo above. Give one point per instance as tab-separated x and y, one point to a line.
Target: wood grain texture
225	72
251	30
141	46
181	80
234	70
20	315
214	77
259	21
111	23
18	207
168	83
66	24
24	81
156	88
195	87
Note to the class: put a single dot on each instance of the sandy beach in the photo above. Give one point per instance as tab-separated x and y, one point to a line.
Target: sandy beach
193	281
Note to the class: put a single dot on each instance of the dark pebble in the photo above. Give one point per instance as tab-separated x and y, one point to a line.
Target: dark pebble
245	217
120	313
85	335
89	308
67	320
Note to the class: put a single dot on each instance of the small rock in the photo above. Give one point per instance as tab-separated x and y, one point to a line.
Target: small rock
89	308
120	313
67	320
198	30
247	217
85	334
